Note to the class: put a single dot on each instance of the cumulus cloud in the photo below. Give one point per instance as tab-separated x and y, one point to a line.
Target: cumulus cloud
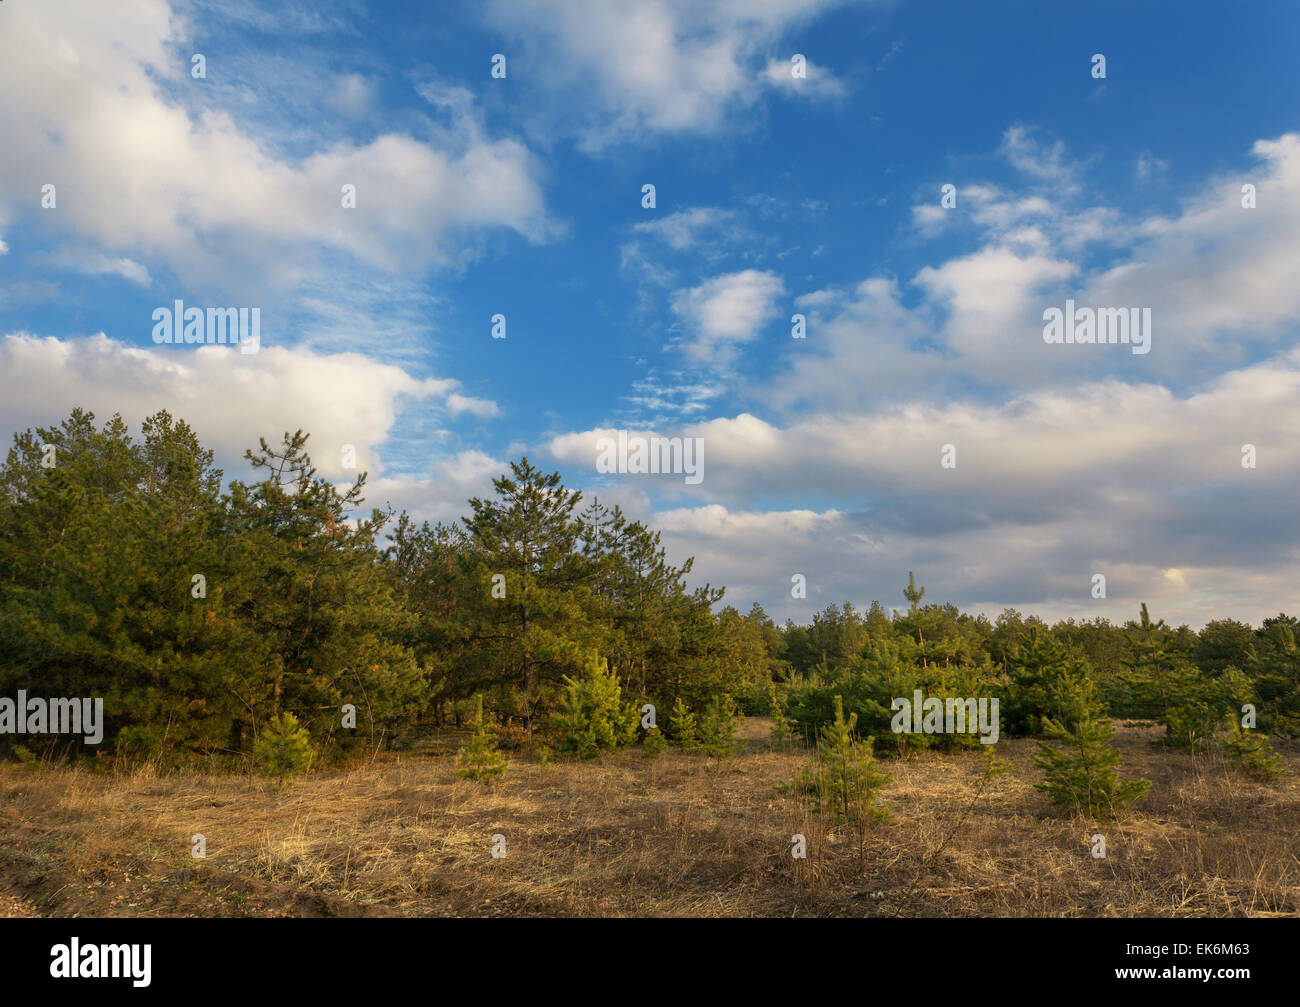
442	494
1218	274
229	398
726	311
136	169
1049	487
1221	280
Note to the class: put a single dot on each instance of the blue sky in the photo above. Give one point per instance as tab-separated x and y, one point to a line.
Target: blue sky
522	196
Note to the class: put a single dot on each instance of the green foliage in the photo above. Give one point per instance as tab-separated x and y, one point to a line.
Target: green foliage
843	779
1159	674
654	744
306	602
683	726
1192	726
479	758
781	731
98	596
283	748
1253	754
1081	777
718	728
1208	710
1035	668
593	717
1276	674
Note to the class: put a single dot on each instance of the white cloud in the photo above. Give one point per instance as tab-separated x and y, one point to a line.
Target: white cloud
229	398
991	293
482	408
726	311
819	82
444	493
682	230
649	65
1220	279
1046	162
1217	275
96	263
1050	487
137	171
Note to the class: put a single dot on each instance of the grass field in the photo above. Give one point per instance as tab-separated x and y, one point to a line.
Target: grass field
679	835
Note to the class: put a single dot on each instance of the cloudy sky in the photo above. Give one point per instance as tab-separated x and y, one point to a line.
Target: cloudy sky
819	195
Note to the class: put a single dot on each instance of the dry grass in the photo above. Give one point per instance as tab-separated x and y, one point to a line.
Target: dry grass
676	836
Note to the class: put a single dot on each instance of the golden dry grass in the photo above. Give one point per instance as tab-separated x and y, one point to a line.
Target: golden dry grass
677	836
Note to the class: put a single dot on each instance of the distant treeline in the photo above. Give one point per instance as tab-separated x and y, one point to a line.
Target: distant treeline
127	572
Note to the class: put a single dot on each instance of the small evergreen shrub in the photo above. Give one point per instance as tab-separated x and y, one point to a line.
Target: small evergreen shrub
654	744
781	731
1082	777
479	758
843	779
1192	726
718	728
283	748
1254	755
593	717
685	731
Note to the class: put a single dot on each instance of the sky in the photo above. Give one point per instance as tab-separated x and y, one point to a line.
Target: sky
198	151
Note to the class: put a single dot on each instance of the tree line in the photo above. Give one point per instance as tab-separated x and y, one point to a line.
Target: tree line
201	612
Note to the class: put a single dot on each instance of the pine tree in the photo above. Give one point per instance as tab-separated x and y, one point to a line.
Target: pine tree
479	758
1277	676
654	743
1082	778
780	732
539	631
1253	754
593	717
684	728
844	779
1159	676
718	729
283	748
912	593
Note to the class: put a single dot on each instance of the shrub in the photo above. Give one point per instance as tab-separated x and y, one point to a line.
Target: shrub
593	718
479	758
684	728
843	779
283	748
1082	778
1192	726
781	730
654	744
1207	710
1254	755
718	729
